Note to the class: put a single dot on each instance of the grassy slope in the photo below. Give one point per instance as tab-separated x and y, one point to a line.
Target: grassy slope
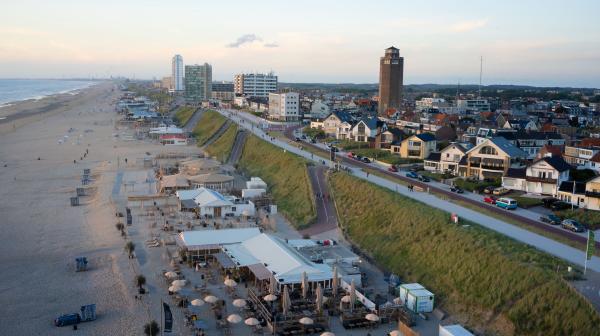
183	114
488	281
286	177
221	148
209	124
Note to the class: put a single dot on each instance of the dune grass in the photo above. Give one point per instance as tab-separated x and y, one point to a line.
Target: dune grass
286	176
209	124
487	281
183	114
221	148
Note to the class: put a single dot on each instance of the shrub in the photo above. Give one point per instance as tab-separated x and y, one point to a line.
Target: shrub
491	282
527	202
589	218
472	185
286	177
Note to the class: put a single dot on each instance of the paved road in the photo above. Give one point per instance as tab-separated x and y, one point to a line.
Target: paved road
238	147
548	245
191	123
326	214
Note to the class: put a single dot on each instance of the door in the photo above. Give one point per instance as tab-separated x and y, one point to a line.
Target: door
217	212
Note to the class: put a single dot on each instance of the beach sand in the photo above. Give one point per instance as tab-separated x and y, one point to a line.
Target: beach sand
41	233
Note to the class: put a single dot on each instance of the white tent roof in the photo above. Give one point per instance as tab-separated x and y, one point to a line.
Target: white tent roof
166	130
203	238
187	194
286	264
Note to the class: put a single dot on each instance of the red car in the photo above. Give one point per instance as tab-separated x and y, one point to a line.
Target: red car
351	155
393	169
490	200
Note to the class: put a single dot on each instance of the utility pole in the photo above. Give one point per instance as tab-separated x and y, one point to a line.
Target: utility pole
480	75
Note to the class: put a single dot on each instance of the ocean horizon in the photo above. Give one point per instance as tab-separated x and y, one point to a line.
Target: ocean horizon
16	90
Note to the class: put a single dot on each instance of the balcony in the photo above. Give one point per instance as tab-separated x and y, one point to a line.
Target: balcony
492	167
540	179
416	153
595	194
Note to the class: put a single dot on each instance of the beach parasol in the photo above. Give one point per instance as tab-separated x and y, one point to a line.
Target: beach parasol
272	285
270	297
352	294
230	282
306	321
285	300
304	282
171	274
240	303
211	299
319	299
234	318
252	322
372	317
328	333
395	333
174	289
178	283
197	302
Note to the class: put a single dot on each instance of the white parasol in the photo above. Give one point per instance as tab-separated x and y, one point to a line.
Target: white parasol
211	299
252	321
240	303
197	302
234	318
306	321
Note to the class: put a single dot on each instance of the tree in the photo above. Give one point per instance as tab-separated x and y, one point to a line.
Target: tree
140	280
151	329
130	247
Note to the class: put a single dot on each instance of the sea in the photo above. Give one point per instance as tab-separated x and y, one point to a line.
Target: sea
14	90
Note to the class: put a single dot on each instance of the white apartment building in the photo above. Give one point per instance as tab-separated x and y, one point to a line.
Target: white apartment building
284	106
177	73
255	84
473	105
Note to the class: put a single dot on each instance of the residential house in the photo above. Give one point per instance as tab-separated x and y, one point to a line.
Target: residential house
492	159
334	121
448	159
531	142
592	194
416	146
542	177
367	130
574	192
388	137
583	157
516	124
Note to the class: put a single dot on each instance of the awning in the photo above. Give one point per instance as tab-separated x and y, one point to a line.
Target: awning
260	271
224	260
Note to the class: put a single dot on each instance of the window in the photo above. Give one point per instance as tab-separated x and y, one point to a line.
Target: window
488	150
361	128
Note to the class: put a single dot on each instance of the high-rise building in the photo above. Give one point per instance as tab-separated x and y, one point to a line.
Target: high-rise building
255	84
223	91
391	74
284	106
198	83
177	73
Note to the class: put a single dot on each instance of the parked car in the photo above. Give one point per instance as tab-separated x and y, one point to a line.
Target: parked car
423	178
560	205
359	157
67	319
298	139
457	190
551	219
366	160
548	201
573	225
393	169
489	189
506	203
490	199
303	137
313	140
351	155
500	191
334	149
412	174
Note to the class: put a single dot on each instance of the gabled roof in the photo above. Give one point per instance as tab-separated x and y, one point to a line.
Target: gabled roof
343	116
555	162
567	186
211	198
434	157
396	132
516	173
372	123
426	137
505	146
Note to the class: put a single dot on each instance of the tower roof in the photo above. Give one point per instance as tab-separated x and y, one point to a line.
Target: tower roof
392	48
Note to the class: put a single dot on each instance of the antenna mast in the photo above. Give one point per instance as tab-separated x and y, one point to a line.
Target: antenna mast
480	74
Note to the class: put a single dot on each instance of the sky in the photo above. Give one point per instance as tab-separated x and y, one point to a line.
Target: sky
535	42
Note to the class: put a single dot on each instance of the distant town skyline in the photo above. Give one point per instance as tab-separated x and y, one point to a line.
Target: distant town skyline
522	42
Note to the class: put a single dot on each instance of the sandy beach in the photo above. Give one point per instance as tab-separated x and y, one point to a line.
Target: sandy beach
42	233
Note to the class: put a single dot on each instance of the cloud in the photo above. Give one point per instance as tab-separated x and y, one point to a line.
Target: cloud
466	26
247	38
271	45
